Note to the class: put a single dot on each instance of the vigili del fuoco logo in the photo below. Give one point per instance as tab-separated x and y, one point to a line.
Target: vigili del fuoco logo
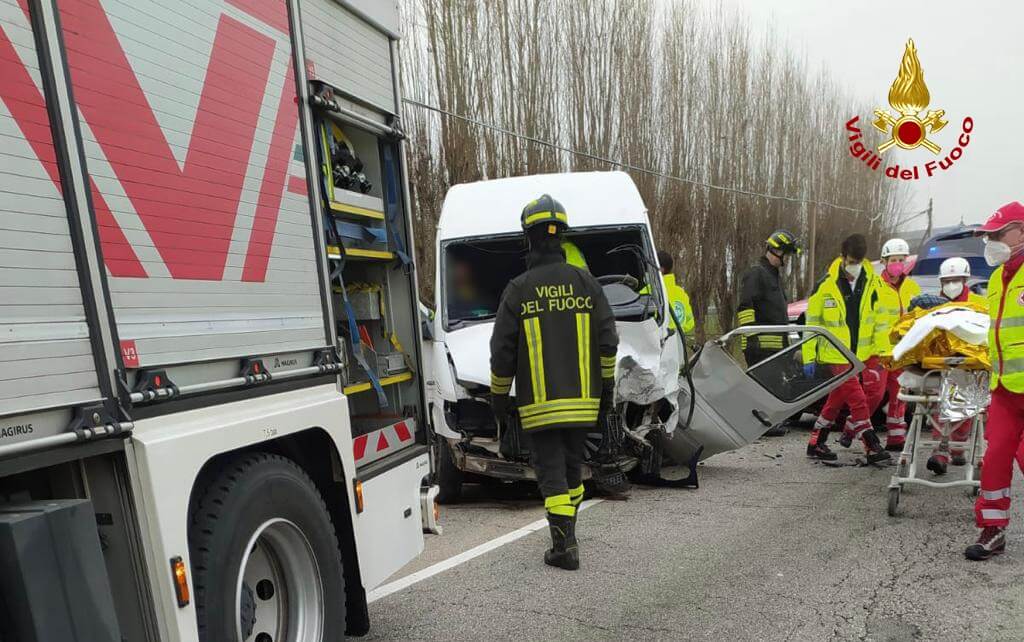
907	129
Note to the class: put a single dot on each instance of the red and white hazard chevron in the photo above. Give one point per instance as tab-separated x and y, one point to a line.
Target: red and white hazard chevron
380	443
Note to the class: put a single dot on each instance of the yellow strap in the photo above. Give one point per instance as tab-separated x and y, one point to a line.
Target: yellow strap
535	348
576	495
583	351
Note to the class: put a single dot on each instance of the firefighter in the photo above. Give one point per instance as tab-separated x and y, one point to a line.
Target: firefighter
845	303
763	301
678	299
953	275
555	336
895	290
1004	247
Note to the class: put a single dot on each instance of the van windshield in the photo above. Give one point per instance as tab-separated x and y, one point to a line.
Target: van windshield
476	270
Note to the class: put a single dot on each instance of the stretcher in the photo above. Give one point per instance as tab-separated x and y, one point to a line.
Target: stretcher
946	392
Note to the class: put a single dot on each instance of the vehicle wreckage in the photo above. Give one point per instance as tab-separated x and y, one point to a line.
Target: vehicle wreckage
670	401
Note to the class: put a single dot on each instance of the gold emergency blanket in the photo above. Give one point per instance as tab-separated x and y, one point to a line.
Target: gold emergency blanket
940	348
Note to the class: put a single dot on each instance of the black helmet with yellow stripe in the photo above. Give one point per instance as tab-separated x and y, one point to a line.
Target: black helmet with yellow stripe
783	242
544	211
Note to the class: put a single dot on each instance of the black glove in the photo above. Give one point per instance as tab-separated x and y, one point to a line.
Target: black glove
500	405
606	407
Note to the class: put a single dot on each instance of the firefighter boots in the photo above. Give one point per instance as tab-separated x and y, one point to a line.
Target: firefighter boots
874	453
564	551
816	448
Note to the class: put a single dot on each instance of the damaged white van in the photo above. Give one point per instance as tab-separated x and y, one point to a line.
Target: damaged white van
668	400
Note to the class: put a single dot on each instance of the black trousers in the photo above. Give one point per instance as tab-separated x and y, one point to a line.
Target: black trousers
557	458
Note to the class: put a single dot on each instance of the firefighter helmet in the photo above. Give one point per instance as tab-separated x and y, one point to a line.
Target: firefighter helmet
783	241
544	210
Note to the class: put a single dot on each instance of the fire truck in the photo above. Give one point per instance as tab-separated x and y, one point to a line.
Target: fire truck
211	405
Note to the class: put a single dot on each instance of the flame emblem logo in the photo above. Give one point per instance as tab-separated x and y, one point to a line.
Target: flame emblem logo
909	96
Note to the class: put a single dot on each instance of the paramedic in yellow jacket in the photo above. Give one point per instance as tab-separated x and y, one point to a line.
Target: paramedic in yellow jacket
678	299
845	304
895	291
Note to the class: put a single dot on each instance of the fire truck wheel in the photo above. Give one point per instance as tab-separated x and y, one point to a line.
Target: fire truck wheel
265	558
449	477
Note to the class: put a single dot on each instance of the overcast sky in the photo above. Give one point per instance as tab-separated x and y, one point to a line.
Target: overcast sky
972	54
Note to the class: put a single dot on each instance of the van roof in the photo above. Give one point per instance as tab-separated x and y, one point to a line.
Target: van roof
493	207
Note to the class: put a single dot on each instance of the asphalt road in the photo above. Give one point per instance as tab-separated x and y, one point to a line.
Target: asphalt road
771	547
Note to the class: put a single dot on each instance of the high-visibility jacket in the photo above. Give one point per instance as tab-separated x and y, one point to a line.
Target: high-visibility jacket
1006	330
555	336
573	255
892	304
679	303
827	308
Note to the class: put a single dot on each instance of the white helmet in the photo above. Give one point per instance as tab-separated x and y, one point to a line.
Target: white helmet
895	247
955	268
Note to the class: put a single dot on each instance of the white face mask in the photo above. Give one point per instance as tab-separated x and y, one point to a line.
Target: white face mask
952	289
997	253
853	270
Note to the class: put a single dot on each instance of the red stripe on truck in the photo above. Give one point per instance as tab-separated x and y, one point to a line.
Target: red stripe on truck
189	212
28	108
402	431
359	446
269	204
272	12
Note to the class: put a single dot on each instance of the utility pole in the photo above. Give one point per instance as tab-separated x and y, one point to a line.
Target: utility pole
811	275
928	232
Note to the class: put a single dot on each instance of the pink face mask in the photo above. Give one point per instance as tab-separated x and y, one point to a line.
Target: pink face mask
895	270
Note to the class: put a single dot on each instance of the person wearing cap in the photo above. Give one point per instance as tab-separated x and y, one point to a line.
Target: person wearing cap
678	299
845	303
1004	247
953	275
895	291
554	335
763	301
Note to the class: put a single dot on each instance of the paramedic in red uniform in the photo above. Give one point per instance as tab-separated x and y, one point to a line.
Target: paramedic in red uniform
1004	247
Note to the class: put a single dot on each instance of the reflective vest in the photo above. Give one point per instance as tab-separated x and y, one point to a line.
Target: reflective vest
679	303
892	304
573	256
827	308
1006	331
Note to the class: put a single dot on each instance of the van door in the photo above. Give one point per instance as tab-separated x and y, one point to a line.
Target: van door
736	402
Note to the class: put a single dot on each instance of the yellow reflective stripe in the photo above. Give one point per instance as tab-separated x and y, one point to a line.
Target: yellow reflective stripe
566	417
583	351
773	242
608	362
558	405
557	500
535	348
500	385
770	341
538	216
568	511
608	373
576	495
746	317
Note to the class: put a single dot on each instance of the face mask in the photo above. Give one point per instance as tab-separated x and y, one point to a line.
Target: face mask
853	271
997	253
895	270
952	289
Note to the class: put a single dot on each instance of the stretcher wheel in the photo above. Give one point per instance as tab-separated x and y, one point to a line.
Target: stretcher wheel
894	500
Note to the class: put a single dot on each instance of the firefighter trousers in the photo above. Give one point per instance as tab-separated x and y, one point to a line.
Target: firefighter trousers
557	458
1003	434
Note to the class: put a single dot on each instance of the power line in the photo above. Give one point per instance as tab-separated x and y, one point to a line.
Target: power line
644	170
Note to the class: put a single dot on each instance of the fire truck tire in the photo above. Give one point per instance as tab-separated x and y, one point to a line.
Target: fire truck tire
265	559
449	477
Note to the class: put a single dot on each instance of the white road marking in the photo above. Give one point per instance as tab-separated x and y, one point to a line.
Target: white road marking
387	589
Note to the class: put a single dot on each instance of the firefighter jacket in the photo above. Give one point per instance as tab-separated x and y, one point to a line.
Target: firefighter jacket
762	302
555	336
1006	330
893	303
679	303
827	308
573	255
